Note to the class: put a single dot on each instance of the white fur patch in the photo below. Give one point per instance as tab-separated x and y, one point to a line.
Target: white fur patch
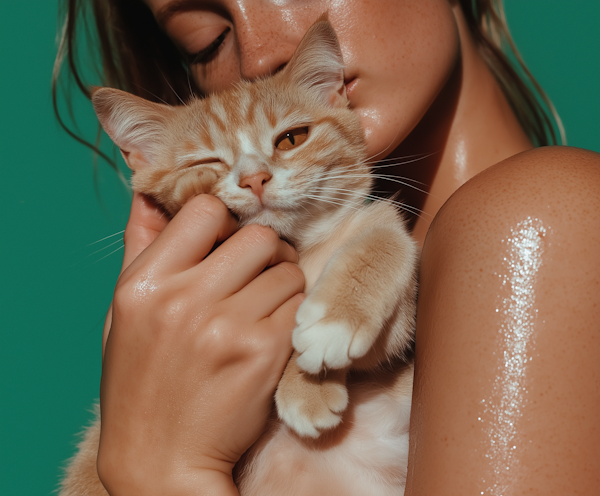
246	144
292	416
320	344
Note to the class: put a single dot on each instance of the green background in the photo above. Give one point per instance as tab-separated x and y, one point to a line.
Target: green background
56	287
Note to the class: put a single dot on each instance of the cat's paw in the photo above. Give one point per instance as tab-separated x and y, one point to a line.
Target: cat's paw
325	343
309	405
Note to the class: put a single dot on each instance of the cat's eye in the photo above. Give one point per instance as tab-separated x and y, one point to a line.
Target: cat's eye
291	138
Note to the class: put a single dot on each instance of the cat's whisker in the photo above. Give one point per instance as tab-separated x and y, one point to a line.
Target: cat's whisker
404	206
339	203
355	166
386	148
97	241
394	179
153	94
189	81
107	237
401	160
385	177
111	253
172	89
388	159
315	204
336	175
338	171
106	247
119	240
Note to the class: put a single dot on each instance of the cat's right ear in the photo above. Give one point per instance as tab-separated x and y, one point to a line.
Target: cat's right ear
135	125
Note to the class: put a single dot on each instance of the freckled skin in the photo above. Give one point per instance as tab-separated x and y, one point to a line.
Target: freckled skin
461	346
422	88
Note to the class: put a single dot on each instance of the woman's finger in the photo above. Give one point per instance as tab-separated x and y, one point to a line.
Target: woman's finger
190	235
243	257
146	221
283	320
267	292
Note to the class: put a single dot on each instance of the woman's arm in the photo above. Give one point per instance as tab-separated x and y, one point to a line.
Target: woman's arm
507	384
196	347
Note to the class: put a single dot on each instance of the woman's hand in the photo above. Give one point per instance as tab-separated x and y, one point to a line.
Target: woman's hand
196	347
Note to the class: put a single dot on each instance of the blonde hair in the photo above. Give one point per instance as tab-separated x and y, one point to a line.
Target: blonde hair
136	56
533	108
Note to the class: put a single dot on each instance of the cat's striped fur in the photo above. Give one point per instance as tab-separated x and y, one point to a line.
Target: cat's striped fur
343	402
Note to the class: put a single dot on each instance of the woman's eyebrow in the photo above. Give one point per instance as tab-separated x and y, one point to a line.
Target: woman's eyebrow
175	7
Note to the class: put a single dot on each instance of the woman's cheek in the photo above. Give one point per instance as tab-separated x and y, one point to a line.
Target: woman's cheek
401	81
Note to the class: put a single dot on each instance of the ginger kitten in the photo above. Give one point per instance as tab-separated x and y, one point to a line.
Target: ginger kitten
288	153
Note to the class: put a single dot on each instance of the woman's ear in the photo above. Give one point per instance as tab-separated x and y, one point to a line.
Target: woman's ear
135	125
317	64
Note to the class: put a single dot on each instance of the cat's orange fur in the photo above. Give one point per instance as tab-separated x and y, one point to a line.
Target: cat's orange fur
343	401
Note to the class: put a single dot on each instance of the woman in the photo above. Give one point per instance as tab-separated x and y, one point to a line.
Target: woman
509	272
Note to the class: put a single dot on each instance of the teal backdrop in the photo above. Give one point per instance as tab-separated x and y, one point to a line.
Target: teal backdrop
56	276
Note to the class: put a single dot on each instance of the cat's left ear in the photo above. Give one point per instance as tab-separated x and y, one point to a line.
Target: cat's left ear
135	125
317	64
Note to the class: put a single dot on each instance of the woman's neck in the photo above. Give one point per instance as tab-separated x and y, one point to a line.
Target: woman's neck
469	127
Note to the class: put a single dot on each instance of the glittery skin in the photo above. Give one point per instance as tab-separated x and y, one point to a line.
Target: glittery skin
504	409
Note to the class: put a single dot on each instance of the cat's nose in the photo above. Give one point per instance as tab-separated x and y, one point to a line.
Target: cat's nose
255	182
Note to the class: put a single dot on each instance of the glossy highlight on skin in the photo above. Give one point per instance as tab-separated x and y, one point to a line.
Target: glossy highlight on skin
503	411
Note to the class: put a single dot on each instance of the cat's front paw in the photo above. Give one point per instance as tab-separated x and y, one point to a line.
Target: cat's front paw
325	342
309	404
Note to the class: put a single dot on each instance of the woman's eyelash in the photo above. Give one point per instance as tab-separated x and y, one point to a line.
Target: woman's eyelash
205	55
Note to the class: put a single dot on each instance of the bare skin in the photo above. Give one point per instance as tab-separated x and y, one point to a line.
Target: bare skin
427	91
507	401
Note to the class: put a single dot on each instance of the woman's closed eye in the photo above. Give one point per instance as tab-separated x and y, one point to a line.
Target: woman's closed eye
208	53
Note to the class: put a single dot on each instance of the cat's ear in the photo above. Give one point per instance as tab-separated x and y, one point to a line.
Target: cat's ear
135	125
317	63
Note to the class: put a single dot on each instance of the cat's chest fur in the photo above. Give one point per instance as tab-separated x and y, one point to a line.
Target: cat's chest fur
367	455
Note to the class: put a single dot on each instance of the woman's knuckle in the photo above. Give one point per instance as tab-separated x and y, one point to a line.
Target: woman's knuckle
135	293
218	337
128	235
124	295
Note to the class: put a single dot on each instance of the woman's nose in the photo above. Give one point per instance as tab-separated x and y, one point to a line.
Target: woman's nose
266	41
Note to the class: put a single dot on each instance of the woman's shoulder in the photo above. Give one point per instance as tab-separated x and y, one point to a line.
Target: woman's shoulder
545	165
548	181
558	187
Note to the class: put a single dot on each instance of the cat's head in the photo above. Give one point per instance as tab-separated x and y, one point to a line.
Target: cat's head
283	151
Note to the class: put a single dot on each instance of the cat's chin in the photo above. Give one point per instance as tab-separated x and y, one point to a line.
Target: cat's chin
282	224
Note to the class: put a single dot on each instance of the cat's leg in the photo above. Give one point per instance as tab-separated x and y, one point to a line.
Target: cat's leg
361	310
81	477
308	403
359	314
